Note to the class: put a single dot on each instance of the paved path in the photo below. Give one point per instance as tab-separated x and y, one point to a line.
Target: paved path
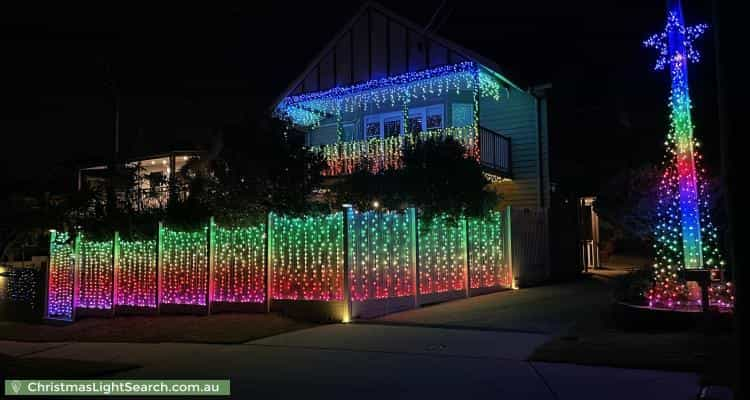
371	361
464	349
544	309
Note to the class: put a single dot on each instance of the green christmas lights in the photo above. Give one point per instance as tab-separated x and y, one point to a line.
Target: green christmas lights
96	275
184	267
307	257
136	277
239	275
442	255
487	266
381	255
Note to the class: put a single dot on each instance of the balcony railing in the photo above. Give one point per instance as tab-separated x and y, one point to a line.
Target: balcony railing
494	150
489	148
382	154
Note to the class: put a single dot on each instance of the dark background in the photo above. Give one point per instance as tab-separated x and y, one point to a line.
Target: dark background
185	71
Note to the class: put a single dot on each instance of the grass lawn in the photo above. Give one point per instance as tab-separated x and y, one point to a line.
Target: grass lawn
616	339
216	328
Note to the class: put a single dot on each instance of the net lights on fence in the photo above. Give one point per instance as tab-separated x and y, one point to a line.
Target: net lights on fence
304	262
136	277
185	267
310	109
307	257
239	275
685	236
488	267
380	251
61	276
95	287
442	255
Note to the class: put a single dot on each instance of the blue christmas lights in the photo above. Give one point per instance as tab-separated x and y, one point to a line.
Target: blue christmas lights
309	109
686	35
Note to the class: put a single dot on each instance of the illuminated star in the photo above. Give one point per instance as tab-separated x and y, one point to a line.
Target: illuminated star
687	34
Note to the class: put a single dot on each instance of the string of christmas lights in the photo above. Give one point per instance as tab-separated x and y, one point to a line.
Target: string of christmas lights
378	154
61	276
307	257
239	275
309	109
136	277
487	266
306	261
685	237
22	286
185	267
95	279
380	251
442	255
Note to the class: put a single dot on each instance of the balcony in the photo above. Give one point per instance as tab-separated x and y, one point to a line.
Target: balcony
489	148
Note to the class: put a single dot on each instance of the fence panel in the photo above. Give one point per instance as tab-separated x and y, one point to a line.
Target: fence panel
307	257
95	275
380	249
530	246
487	265
442	259
239	275
136	276
184	267
61	277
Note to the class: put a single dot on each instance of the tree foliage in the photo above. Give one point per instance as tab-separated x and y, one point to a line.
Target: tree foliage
436	178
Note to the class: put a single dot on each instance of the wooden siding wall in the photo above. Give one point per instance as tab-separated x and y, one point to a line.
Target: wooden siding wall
516	118
375	46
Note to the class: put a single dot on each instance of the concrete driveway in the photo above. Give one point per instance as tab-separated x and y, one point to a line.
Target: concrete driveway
466	349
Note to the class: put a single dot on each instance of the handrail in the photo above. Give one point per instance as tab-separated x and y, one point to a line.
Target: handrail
495	151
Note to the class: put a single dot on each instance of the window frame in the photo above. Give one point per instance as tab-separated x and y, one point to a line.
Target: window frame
421	111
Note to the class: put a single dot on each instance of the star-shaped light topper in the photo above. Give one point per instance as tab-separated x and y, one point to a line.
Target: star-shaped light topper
686	34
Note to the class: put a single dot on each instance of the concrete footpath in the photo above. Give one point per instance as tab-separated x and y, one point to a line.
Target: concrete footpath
378	361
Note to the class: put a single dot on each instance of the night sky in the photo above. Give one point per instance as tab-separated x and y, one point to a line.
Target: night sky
184	72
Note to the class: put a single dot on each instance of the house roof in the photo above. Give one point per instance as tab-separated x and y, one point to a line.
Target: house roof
321	73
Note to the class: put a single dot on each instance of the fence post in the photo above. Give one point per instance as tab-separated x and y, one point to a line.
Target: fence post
346	289
467	261
159	266
509	247
414	254
115	268
211	265
269	276
76	273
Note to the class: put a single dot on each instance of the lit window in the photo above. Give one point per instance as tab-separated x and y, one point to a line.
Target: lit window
392	126
434	117
415	123
372	127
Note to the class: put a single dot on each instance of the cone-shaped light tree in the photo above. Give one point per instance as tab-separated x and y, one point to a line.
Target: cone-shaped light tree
685	238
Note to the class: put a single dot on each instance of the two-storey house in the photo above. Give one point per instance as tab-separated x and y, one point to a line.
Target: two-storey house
384	80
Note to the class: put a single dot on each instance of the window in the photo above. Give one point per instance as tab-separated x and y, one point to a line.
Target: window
434	117
348	132
425	118
372	126
384	125
415	123
392	126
